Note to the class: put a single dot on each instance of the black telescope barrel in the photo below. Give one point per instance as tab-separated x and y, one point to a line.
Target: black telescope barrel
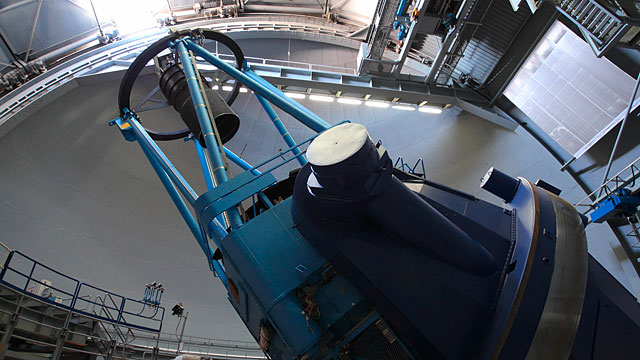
174	86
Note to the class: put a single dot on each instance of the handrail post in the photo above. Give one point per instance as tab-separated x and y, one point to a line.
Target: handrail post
156	349
6	264
75	295
30	276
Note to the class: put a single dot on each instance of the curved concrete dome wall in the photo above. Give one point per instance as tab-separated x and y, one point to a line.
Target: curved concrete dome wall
77	196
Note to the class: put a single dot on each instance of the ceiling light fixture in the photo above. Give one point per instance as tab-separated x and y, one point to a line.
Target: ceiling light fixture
350	101
430	109
321	98
378	104
295	95
403	107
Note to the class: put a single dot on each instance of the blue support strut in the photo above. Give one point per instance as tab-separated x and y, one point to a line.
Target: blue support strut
278	92
281	129
206	171
246	166
163	161
205	124
146	143
284	103
204	164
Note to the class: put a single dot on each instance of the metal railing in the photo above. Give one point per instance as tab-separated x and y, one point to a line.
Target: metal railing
252	60
5	253
205	347
101	329
87	339
122	337
626	177
419	165
21	273
601	27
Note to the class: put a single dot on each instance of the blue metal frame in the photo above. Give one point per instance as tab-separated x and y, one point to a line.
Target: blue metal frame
206	171
280	127
408	168
250	79
215	154
213	167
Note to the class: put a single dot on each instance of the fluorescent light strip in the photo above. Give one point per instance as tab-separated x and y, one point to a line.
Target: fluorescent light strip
216	87
321	98
403	107
227	88
295	95
349	101
378	104
244	90
430	109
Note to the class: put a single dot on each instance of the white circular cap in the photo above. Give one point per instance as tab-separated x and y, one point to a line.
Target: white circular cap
337	144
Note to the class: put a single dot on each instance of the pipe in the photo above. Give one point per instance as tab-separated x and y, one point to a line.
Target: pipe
33	29
281	129
624	122
206	171
55	54
205	124
204	164
278	92
284	103
95	14
246	166
359	32
240	162
284	9
145	140
191	222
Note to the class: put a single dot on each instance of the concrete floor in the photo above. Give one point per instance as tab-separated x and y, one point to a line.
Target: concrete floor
75	195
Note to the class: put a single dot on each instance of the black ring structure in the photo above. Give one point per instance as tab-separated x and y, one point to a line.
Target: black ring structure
126	86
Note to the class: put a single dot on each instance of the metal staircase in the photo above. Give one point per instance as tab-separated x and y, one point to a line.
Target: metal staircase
602	25
34	322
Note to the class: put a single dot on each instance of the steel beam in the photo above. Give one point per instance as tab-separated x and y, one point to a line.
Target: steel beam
381	27
621	131
521	47
413	30
286	104
10	326
487	114
406	88
33	29
449	40
281	129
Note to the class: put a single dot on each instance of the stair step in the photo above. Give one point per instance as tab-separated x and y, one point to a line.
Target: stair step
610	30
579	8
604	22
585	11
